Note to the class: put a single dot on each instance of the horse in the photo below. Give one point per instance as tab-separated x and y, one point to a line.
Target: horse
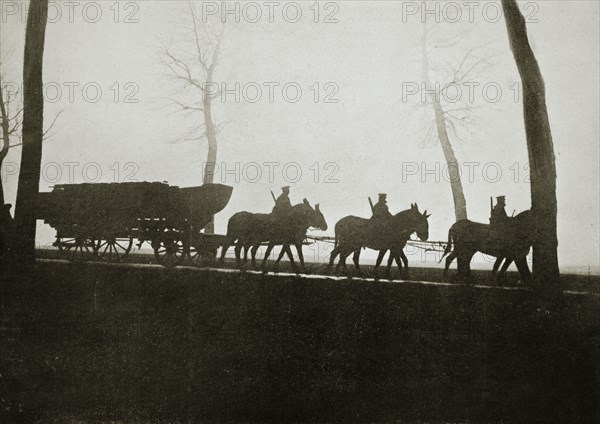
353	233
250	230
511	241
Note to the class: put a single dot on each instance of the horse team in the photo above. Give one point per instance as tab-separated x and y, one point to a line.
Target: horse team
509	242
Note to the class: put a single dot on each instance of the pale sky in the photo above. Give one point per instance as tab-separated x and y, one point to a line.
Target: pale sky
367	142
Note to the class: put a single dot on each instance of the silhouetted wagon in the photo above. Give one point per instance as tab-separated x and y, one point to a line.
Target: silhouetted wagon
101	221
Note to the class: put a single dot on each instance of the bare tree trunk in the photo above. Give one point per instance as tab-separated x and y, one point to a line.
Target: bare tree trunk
458	195
540	148
5	138
211	158
33	130
206	55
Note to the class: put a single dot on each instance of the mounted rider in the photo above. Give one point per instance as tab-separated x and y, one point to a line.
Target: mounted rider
499	221
498	214
380	210
283	205
381	214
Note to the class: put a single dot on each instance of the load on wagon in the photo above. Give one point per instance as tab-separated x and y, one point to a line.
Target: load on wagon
101	220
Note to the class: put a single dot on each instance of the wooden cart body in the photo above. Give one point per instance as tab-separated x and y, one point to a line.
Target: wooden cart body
102	219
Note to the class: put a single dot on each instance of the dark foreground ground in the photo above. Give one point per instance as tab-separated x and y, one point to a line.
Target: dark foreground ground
101	343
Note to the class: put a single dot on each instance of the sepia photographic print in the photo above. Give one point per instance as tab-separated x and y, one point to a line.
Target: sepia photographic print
310	211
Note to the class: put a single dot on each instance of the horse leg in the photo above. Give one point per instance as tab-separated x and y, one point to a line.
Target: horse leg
224	251
460	266
395	256
332	257
246	248
495	277
523	268
501	276
355	259
504	268
300	256
238	250
253	252
464	266
281	253
399	264
389	263
343	257
279	257
341	252
497	264
405	261
449	260
267	253
288	250
378	262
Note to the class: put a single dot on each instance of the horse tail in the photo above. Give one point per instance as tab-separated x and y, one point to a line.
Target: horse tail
449	244
229	238
336	240
231	229
235	226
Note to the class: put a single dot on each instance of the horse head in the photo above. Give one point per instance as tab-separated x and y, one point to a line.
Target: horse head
319	220
419	223
312	217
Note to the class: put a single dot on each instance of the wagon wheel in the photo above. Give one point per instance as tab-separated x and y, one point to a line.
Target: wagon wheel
169	252
77	249
200	255
113	249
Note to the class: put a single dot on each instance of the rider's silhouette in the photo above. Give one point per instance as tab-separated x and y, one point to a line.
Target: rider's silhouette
499	216
381	211
282	204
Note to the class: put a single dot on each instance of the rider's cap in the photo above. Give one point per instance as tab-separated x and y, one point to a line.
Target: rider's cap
382	195
500	198
285	188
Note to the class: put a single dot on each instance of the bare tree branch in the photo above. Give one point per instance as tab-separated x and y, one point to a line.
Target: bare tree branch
185	107
16	115
46	136
201	53
181	70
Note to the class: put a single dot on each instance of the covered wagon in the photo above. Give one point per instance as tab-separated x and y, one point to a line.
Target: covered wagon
102	220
